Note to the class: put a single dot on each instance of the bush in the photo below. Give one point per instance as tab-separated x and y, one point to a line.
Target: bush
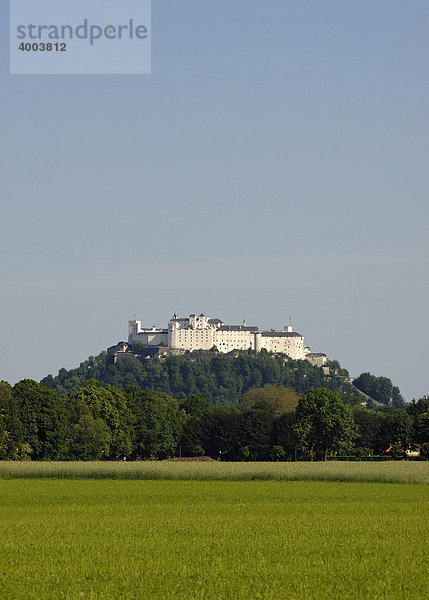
424	451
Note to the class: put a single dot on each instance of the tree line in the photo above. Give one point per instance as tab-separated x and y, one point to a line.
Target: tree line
271	422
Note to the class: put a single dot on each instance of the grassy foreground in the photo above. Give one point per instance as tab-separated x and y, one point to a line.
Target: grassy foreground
392	471
186	540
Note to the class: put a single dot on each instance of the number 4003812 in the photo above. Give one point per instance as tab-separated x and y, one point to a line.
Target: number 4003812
42	47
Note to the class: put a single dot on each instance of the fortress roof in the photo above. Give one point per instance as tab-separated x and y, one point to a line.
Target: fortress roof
280	334
236	328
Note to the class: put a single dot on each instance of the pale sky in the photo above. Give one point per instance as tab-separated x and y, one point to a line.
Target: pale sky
273	165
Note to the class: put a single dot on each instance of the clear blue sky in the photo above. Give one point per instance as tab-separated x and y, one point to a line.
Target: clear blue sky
274	165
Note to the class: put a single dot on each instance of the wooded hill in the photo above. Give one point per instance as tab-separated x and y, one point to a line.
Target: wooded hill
222	380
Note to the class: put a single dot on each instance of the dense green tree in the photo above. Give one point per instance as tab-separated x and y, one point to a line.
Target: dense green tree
220	433
336	369
158	423
395	428
110	404
366	383
352	400
195	405
284	434
396	398
278	453
383	390
196	409
90	437
369	423
11	433
380	389
255	429
44	421
191	442
418	407
419	412
421	428
324	422
282	399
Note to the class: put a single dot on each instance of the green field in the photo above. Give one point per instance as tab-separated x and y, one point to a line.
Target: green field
114	539
390	471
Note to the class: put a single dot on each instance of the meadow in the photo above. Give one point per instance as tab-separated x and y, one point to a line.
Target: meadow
389	471
155	539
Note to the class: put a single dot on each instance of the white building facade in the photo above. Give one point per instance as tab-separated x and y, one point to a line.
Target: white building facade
203	333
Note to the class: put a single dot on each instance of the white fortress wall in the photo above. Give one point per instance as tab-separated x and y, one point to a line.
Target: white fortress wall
234	337
290	343
203	332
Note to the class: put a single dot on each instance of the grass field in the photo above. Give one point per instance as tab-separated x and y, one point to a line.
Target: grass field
124	539
391	471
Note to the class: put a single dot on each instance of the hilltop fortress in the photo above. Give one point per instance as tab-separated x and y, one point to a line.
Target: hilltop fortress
196	333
